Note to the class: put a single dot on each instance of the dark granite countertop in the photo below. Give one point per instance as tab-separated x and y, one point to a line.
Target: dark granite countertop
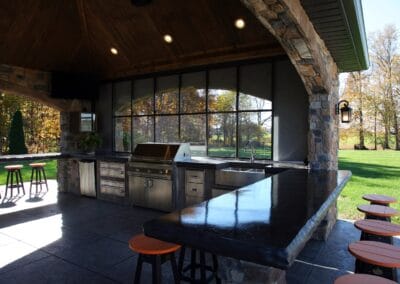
268	222
219	163
27	157
107	156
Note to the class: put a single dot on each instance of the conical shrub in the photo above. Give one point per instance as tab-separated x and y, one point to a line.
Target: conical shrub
16	138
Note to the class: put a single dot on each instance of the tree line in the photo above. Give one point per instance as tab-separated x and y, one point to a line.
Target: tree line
41	124
374	95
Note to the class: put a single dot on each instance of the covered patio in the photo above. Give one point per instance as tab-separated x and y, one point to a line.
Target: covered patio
183	94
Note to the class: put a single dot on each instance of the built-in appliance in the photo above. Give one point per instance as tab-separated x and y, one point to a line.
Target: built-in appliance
152	172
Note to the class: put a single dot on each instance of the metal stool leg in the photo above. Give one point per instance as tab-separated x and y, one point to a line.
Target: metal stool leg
193	264
22	181
45	179
174	268
40	180
30	187
138	269
12	184
156	269
7	183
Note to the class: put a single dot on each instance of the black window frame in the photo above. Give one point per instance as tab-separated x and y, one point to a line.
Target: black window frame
180	113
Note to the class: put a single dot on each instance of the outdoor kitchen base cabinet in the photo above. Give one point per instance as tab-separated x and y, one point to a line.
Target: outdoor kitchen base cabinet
112	181
151	191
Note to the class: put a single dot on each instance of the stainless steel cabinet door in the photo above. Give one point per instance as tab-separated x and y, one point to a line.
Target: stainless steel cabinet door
159	194
137	190
150	192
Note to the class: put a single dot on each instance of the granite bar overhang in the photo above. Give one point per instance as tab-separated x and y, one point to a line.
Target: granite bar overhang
268	222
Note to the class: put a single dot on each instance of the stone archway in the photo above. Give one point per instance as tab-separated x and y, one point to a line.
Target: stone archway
289	23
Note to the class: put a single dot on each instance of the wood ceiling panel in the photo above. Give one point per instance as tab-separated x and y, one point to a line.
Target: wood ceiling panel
76	35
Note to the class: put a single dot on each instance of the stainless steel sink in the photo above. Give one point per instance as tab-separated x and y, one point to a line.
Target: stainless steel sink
238	176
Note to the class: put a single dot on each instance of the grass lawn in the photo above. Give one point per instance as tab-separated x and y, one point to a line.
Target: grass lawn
373	172
50	169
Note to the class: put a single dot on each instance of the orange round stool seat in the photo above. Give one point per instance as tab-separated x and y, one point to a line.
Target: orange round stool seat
362	279
146	245
37	165
155	252
378	212
13	167
379	199
376	258
378	227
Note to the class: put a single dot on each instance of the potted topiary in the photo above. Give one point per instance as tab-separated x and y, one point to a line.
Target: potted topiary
89	142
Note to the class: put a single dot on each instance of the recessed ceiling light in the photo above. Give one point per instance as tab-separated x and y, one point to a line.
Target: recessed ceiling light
240	23
168	38
114	50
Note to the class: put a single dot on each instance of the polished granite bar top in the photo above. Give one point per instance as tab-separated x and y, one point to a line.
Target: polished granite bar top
220	163
267	222
26	157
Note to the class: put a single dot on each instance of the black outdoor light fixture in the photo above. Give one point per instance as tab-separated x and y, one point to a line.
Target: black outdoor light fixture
345	111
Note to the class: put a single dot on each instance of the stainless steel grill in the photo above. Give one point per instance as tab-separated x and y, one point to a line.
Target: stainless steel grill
151	174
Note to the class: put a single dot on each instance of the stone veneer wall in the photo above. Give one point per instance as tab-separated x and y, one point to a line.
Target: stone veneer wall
68	169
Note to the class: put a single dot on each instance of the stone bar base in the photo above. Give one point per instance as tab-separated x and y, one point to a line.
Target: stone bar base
326	226
238	271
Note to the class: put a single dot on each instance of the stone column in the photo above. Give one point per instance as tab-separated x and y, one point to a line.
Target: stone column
323	142
67	169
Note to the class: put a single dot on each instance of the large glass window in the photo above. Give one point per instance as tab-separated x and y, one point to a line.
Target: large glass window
193	130
193	92
255	134
222	112
143	97
122	98
167	95
143	129
123	137
222	135
222	90
167	128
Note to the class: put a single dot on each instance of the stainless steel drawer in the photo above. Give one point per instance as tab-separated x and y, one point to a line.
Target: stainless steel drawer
194	189
194	176
116	170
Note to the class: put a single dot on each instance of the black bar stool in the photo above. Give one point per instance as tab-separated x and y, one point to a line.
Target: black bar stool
155	252
195	266
14	170
40	177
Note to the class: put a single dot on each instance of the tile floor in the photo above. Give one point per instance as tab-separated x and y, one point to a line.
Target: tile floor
62	238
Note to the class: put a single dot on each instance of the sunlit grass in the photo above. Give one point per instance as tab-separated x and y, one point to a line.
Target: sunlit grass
373	172
50	169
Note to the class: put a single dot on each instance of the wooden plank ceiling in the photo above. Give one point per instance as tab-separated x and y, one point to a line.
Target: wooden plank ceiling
76	36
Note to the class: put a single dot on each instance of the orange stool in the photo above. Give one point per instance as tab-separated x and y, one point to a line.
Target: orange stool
14	170
38	171
362	279
376	258
379	199
155	252
377	230
378	212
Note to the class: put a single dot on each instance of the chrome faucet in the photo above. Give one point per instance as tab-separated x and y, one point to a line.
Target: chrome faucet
252	150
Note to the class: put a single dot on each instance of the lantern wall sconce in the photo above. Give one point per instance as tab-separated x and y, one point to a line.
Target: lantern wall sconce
345	111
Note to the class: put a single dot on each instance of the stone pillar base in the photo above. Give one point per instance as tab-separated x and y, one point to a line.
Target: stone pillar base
326	226
238	271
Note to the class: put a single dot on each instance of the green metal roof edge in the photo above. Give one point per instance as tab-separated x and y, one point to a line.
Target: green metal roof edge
355	21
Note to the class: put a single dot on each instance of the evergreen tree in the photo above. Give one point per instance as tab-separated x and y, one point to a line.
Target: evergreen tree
16	137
